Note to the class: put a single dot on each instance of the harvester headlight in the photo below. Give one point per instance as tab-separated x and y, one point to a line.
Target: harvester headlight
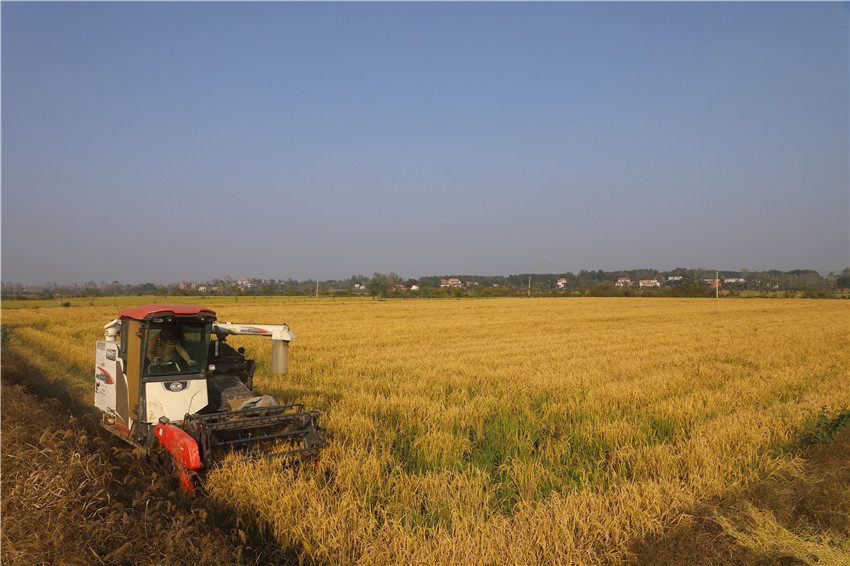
175	386
212	367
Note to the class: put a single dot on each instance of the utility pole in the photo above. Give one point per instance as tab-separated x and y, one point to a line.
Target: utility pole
716	285
317	288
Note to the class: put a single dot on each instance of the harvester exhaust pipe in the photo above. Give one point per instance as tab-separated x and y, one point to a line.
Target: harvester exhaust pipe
280	356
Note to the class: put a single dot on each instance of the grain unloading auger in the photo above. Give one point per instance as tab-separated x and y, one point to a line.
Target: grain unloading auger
165	376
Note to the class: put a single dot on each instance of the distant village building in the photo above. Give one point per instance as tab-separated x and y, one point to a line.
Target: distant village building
359	287
451	282
649	283
244	283
562	283
624	282
202	288
185	286
674	278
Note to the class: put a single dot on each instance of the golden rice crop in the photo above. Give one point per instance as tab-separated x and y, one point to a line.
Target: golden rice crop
514	430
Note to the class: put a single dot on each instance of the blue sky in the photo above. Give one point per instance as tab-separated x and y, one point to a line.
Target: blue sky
165	142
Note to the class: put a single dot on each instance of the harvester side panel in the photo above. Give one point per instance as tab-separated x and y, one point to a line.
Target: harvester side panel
106	376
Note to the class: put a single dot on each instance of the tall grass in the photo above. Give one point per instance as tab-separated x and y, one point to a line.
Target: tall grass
513	430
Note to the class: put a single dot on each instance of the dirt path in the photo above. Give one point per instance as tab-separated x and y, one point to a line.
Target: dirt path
72	495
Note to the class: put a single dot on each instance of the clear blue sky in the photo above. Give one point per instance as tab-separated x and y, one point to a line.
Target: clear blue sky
169	142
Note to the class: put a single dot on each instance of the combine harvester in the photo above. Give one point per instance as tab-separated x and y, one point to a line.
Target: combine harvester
165	378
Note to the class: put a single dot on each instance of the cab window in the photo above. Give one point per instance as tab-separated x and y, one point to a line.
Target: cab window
175	349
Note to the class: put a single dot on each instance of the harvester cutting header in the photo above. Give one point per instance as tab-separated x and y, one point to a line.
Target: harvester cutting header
165	376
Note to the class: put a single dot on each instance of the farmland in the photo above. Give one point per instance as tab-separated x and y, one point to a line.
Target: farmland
515	430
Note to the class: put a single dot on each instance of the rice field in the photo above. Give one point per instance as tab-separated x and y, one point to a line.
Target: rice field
542	431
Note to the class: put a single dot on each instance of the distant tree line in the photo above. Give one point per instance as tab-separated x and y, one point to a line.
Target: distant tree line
678	282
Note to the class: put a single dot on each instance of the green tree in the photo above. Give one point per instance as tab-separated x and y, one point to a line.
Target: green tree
843	280
605	289
380	284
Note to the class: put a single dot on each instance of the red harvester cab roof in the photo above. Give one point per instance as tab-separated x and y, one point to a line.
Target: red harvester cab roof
139	313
